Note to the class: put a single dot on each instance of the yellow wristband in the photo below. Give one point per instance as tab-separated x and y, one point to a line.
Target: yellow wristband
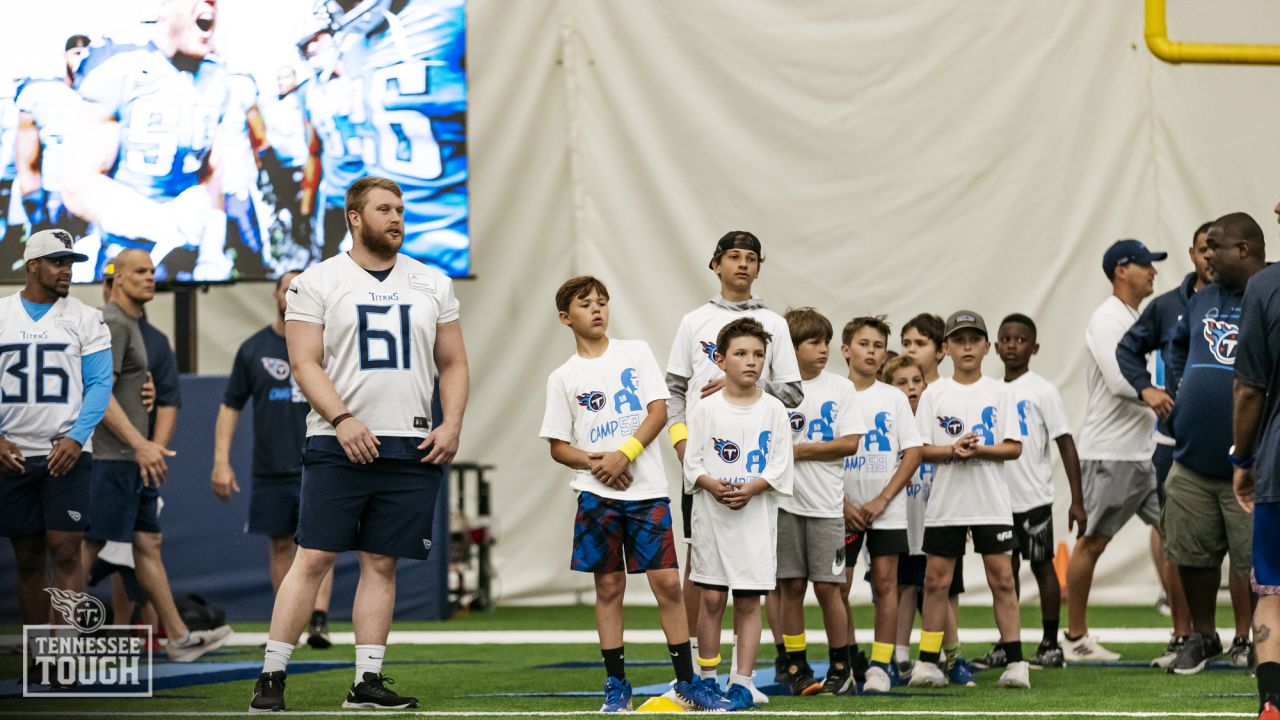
631	447
679	433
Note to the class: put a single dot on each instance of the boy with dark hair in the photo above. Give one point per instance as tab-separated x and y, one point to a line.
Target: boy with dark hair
825	429
605	404
966	424
922	339
875	507
737	450
1041	417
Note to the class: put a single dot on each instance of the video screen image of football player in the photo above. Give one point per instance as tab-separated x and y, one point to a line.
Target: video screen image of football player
10	226
410	60
139	166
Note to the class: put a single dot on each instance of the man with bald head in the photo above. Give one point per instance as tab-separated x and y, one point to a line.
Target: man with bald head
126	461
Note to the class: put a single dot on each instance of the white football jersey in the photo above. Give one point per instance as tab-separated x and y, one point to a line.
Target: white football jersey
53	107
596	403
41	381
736	443
1041	418
379	339
969	492
829	411
693	351
891	429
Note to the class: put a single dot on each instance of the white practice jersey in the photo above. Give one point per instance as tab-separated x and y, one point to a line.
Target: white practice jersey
41	380
829	411
594	404
735	443
971	492
286	129
693	351
891	429
1041	419
1118	425
53	107
379	339
237	166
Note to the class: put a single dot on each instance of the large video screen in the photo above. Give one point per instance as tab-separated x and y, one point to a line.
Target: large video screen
221	136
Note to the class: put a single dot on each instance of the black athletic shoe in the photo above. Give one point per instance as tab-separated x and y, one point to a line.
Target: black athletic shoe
1197	652
1048	656
372	694
839	682
997	658
859	664
780	669
801	681
268	693
318	632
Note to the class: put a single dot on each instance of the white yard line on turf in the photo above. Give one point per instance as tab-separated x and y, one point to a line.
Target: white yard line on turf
577	713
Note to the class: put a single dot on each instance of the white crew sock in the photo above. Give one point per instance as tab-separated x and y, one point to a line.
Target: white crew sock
733	655
743	680
902	653
277	657
369	660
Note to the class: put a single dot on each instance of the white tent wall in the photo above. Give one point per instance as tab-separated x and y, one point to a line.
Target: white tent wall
893	157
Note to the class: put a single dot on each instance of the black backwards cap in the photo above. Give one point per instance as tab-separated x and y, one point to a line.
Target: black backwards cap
736	240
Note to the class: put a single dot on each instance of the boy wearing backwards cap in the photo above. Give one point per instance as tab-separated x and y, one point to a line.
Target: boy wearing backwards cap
965	423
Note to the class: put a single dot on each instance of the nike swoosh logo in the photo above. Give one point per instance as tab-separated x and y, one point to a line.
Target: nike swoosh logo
293	289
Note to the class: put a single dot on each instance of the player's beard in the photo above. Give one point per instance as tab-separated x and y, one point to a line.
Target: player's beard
381	243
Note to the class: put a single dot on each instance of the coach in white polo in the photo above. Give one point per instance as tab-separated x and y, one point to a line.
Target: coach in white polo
368	331
1116	442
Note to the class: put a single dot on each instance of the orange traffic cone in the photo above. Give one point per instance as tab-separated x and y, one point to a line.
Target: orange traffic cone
1060	561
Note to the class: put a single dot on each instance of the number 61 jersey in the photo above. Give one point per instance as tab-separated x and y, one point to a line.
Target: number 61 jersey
41	383
379	338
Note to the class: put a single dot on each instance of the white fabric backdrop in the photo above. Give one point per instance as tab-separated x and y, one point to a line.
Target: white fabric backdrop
893	157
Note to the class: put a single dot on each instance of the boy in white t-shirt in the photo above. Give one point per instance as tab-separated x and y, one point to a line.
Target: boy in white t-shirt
825	429
605	404
966	424
737	458
875	506
1041	417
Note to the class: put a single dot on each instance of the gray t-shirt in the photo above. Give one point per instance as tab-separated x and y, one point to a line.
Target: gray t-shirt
1257	365
129	356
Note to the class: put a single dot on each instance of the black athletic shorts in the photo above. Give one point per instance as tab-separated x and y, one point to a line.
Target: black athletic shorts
949	540
1033	530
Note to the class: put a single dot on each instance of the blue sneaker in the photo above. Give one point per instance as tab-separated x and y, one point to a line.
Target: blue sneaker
961	675
702	695
895	675
617	696
739	697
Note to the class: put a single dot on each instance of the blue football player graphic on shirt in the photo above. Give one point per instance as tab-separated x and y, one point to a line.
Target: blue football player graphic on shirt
879	436
758	458
824	426
986	428
138	165
627	395
1023	405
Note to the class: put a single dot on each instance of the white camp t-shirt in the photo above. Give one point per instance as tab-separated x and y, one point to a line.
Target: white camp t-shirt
594	404
1117	424
737	548
1040	419
693	351
41	378
379	339
829	411
969	492
891	429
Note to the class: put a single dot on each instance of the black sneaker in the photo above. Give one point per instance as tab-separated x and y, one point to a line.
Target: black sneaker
268	693
839	682
318	632
1195	653
780	669
860	663
800	680
994	659
1048	656
372	694
1241	651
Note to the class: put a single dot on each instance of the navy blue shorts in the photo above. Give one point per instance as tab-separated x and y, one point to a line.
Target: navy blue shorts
273	506
35	501
119	505
386	507
605	528
1266	548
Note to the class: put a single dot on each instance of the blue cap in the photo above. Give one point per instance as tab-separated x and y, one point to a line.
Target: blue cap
1124	252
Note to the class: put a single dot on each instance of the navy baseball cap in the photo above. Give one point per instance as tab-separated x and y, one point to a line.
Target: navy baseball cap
1124	252
739	239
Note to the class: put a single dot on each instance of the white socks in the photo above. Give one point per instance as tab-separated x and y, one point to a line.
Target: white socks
277	658
743	680
369	660
901	653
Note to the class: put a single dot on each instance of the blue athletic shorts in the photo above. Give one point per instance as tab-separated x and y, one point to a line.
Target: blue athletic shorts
386	507
35	501
273	506
1266	548
605	528
119	505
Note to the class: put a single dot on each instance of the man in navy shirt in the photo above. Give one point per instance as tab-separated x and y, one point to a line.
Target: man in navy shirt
1256	457
261	372
1201	521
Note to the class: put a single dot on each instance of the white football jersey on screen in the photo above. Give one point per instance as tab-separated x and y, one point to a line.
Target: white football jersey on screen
41	380
379	337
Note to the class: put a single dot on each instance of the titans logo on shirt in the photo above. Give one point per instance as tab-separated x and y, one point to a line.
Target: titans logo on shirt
276	368
593	401
796	420
1223	338
708	349
953	426
727	450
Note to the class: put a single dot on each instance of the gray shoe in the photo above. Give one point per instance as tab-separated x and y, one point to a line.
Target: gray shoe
994	659
1048	656
1170	652
1241	652
1197	652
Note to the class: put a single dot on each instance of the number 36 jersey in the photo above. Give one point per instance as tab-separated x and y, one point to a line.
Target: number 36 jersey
379	338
